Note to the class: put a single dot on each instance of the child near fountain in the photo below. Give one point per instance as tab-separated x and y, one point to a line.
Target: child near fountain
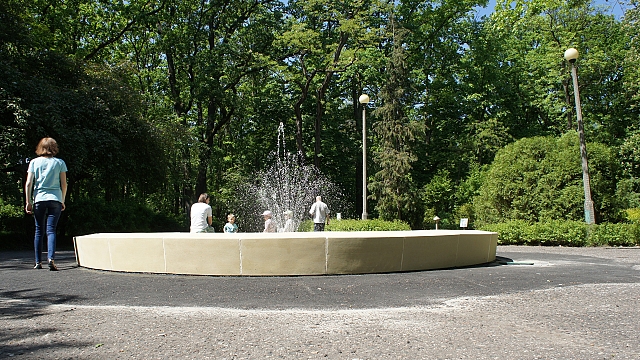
231	226
288	225
269	224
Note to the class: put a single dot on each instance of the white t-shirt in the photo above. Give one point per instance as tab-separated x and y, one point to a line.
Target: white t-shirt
319	211
200	212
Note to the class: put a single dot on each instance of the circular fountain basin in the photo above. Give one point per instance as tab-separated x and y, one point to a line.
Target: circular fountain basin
282	254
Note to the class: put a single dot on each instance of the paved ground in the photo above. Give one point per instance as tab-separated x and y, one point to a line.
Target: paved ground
545	303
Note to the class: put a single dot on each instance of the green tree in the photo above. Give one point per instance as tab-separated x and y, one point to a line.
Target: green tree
487	94
209	50
438	196
534	35
630	92
629	186
91	111
434	54
323	40
392	184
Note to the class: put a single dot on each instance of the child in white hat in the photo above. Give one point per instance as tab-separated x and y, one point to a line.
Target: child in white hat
269	224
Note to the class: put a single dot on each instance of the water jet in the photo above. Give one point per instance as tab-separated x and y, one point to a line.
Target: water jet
288	185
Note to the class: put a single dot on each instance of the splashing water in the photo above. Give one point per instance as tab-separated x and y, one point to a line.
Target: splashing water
287	185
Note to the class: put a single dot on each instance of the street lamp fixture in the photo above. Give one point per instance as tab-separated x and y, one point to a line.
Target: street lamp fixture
364	100
571	55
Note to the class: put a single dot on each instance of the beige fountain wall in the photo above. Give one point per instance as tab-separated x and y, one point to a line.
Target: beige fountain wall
259	254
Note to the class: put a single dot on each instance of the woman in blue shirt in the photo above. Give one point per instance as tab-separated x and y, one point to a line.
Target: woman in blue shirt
46	189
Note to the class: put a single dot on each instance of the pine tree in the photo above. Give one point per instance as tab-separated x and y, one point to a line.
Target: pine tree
393	186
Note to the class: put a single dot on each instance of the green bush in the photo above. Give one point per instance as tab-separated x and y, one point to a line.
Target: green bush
510	233
565	233
96	216
16	228
540	178
548	233
632	215
358	225
12	218
558	232
614	235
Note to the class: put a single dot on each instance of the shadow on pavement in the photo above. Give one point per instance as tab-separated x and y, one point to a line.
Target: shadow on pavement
20	341
25	307
22	260
499	261
30	303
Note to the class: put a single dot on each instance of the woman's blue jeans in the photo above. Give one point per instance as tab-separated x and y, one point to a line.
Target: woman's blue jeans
46	214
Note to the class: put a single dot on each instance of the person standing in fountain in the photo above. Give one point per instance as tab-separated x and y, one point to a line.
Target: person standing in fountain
47	181
231	226
320	213
288	225
202	215
269	224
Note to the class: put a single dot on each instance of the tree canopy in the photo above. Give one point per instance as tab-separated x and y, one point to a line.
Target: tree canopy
153	102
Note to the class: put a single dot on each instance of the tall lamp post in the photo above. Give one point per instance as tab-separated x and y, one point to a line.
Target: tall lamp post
364	100
571	55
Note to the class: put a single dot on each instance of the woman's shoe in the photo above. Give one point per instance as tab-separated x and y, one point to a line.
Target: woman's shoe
52	266
38	266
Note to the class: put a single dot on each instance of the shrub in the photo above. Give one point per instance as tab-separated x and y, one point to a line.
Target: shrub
558	232
359	225
96	216
565	233
614	235
540	178
511	232
16	228
12	218
632	215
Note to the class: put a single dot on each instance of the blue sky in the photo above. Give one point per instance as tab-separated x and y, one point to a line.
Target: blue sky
614	7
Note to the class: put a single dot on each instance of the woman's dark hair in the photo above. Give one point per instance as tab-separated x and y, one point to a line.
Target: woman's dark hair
203	197
47	147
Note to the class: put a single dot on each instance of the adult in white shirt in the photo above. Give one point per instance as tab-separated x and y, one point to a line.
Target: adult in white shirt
201	215
320	213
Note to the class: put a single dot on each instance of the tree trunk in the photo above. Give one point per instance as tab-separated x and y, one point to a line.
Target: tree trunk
298	108
320	99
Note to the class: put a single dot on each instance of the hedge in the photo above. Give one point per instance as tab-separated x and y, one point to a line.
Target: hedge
565	233
96	216
615	235
12	217
358	225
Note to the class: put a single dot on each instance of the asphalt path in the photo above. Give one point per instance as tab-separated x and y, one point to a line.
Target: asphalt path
516	270
555	290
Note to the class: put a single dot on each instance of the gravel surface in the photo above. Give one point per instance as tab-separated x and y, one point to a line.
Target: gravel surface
566	316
